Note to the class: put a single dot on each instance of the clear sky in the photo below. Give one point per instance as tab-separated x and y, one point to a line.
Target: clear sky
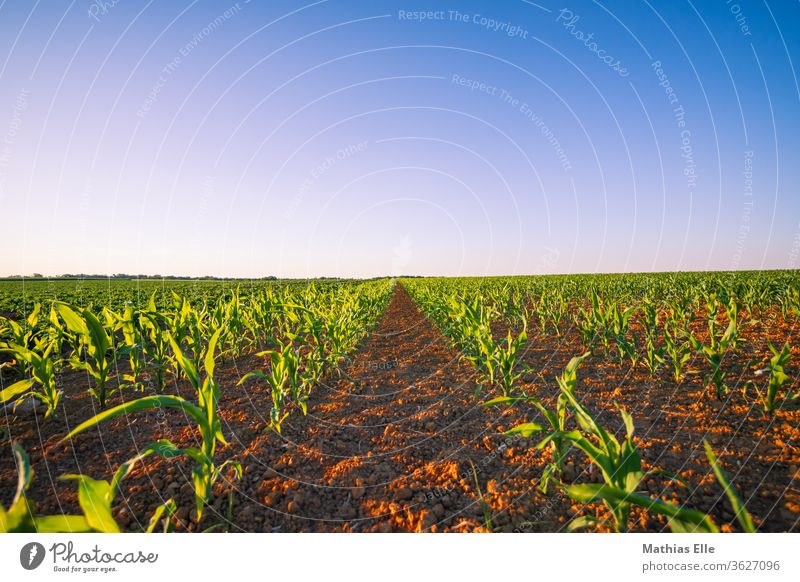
358	138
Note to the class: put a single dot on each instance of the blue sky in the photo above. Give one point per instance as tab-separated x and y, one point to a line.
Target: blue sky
357	139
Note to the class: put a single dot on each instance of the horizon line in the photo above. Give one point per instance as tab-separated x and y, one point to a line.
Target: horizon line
159	277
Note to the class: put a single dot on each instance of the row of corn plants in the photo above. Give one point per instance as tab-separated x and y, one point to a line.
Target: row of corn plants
685	325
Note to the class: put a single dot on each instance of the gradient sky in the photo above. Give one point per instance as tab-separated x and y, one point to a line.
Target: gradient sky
346	138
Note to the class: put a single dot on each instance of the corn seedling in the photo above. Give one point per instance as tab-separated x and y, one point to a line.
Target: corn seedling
283	379
21	335
558	445
133	345
506	358
777	378
619	328
679	353
654	354
96	343
714	353
620	465
41	368
156	345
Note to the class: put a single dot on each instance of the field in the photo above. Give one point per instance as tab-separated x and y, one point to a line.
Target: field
650	402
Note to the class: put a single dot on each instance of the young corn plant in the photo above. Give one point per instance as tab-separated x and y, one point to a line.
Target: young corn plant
541	311
42	377
777	379
284	380
512	308
620	325
22	335
156	344
732	311
712	309
18	517
714	353
555	441
680	313
204	412
56	332
678	351
179	323
97	345
790	303
620	465
587	326
133	346
654	353
479	350
317	361
507	360
592	324
558	309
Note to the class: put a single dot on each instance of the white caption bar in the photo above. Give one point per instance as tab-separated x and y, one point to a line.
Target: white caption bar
405	557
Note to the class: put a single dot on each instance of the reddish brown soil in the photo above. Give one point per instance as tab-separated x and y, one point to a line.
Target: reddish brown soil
394	449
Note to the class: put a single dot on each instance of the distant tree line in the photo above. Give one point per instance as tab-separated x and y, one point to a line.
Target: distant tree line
127	276
124	276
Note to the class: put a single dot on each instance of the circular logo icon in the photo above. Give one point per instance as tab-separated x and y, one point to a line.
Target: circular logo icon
31	555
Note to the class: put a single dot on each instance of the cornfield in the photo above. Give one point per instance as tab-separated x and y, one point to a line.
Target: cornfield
303	406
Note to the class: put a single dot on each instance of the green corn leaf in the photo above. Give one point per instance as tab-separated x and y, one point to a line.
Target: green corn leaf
507	400
62	524
169	507
72	320
95	499
18	516
525	429
739	509
583	522
595	454
15	389
201	479
257	374
212	347
627	419
687	519
185	364
162	447
163	401
24	471
33	317
97	332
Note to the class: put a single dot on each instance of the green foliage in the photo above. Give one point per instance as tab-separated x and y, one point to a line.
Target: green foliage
778	379
95	499
41	384
96	344
619	463
204	412
679	352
